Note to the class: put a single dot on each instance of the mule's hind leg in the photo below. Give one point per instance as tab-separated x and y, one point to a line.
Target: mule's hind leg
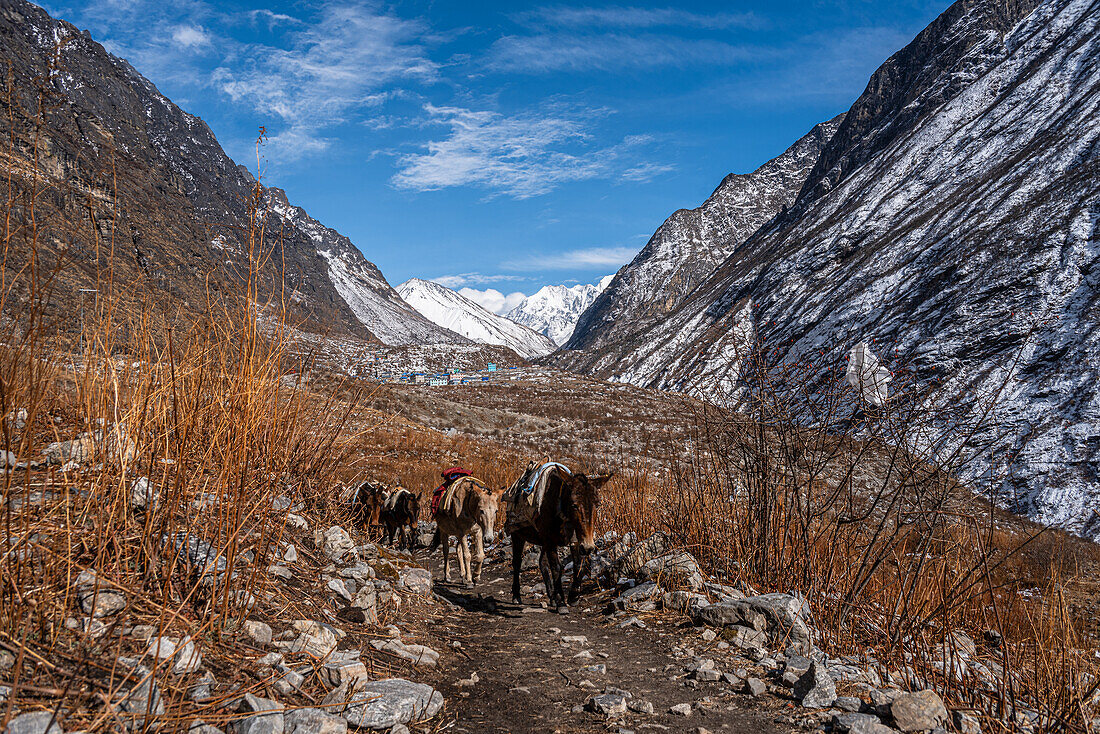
517	563
557	595
578	573
446	541
464	562
479	555
547	577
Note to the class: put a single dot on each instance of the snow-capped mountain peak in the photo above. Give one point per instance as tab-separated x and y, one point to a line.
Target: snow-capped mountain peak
454	311
553	310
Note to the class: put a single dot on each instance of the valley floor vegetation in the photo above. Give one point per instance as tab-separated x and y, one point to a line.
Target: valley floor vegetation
152	456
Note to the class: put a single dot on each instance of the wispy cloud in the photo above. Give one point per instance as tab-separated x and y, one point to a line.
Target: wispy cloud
633	17
520	155
329	70
646	172
586	52
462	279
271	18
590	258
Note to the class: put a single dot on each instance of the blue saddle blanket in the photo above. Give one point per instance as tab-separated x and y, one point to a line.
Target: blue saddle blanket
530	486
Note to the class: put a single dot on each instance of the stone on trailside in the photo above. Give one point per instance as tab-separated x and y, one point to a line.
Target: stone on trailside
336	544
678	569
782	615
259	632
681	709
260	716
35	722
416	580
815	689
608	704
852	723
383	704
415	654
313	721
920	711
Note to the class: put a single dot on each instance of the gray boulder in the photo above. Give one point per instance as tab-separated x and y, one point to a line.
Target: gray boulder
920	711
337	544
815	689
417	580
415	654
383	704
677	569
143	495
139	701
262	716
608	704
781	615
685	602
639	598
633	560
851	723
34	722
313	721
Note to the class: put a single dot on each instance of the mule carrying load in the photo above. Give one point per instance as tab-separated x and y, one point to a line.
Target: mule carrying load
464	505
551	507
525	495
399	515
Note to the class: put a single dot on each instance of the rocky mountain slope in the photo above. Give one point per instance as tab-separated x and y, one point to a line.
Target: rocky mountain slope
127	169
553	310
952	216
687	248
459	314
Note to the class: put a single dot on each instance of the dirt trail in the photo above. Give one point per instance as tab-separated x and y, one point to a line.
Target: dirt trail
533	681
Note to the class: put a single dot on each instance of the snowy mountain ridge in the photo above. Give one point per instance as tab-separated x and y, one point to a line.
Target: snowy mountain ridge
953	215
454	312
553	310
361	284
687	248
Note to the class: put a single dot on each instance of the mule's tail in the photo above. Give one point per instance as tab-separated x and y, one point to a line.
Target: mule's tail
435	541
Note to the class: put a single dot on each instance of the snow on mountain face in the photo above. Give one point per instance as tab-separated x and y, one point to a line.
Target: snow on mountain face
459	314
553	310
954	214
361	284
686	249
182	210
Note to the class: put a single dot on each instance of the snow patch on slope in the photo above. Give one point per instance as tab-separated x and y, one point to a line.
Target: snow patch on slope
459	314
553	310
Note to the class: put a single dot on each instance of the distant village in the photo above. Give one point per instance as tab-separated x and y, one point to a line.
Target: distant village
451	376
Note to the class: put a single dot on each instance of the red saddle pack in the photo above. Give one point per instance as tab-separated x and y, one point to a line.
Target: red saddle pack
449	477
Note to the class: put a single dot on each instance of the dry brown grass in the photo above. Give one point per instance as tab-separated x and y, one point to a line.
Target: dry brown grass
891	550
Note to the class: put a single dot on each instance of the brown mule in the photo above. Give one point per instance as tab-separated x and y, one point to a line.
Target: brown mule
366	506
399	515
563	514
467	508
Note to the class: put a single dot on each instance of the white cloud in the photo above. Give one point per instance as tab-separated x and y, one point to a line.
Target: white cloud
630	17
330	69
271	18
612	52
455	281
493	300
591	258
521	155
645	172
189	36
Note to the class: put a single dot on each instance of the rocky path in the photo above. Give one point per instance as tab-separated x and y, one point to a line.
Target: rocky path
523	669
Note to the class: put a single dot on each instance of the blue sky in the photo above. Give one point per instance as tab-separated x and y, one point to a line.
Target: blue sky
504	145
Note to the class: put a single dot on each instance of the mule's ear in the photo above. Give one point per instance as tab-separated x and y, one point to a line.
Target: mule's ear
599	480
